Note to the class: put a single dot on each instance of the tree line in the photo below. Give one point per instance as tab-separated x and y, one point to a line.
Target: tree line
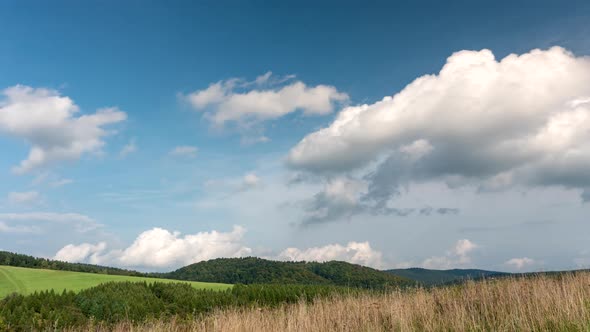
20	260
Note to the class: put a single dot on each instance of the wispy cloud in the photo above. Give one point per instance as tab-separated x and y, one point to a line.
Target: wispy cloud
26	197
79	222
247	104
128	149
50	179
184	151
5	228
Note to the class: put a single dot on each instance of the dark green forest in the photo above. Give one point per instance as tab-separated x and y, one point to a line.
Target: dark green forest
113	302
252	270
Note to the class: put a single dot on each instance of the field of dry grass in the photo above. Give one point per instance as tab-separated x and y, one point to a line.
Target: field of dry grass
531	304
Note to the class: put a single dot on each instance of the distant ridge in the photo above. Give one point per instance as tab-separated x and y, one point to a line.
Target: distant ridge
429	277
253	270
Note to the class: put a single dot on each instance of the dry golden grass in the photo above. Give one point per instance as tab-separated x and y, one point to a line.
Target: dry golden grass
531	304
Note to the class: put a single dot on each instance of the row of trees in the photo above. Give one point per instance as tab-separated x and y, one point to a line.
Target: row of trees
113	302
19	260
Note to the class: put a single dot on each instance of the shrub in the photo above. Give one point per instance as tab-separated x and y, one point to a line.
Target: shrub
114	302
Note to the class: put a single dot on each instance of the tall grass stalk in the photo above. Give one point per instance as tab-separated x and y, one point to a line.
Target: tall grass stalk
539	303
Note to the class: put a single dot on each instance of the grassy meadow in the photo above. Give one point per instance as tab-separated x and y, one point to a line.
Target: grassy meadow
26	281
541	303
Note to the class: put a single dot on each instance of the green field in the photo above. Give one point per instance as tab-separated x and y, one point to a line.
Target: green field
26	281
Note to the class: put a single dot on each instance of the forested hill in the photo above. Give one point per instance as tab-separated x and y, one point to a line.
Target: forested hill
438	277
252	270
19	260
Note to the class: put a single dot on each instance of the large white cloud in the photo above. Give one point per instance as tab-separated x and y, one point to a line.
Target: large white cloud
48	122
354	252
522	120
235	100
160	248
80	253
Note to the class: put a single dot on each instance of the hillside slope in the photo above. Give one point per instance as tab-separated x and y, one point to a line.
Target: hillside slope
26	281
438	277
252	270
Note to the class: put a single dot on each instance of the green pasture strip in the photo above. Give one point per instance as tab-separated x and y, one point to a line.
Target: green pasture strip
26	281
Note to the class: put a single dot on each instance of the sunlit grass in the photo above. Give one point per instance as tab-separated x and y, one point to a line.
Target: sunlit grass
26	281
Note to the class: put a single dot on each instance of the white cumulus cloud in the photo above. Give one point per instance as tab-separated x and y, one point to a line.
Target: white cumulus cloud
521	120
50	124
520	263
160	248
354	252
81	253
250	181
235	100
456	257
463	248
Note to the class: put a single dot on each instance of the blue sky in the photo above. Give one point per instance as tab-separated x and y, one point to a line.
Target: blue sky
241	182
